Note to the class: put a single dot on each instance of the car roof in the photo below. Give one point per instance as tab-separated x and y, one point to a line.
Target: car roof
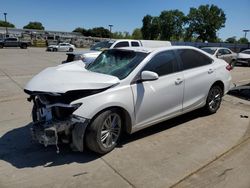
246	50
150	50
215	48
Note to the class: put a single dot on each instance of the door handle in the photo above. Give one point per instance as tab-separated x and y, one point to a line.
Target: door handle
178	81
210	71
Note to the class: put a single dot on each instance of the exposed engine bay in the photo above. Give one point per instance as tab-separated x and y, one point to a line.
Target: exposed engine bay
54	121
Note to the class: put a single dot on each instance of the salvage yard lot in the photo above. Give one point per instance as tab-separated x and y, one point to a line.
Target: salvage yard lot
193	150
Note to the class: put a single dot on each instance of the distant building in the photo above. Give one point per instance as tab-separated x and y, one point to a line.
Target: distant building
50	37
14	32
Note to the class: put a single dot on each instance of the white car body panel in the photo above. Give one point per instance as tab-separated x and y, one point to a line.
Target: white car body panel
244	58
148	102
194	80
62	47
169	97
72	76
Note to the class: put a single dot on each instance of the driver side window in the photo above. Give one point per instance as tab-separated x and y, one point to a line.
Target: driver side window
163	63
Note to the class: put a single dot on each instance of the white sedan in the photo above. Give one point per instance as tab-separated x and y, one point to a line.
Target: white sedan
244	57
61	47
123	91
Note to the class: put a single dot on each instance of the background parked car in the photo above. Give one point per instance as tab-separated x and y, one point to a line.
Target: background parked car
86	56
13	42
62	47
89	56
222	53
244	57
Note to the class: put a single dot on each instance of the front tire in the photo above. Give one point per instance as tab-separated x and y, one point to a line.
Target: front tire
71	50
213	99
104	132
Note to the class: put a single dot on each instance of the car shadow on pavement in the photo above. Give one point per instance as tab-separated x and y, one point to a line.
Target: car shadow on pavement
162	126
17	148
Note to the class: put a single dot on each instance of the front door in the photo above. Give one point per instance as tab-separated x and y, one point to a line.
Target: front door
162	98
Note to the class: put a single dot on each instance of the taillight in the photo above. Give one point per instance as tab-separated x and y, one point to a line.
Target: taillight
229	67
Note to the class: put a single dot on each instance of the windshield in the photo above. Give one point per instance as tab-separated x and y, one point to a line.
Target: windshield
209	50
119	63
102	45
246	52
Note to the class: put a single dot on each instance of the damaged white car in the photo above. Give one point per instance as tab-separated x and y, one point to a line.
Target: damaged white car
123	91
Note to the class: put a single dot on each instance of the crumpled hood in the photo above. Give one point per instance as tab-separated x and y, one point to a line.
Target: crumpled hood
67	77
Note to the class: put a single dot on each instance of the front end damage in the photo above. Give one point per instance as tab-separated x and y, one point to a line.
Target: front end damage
54	121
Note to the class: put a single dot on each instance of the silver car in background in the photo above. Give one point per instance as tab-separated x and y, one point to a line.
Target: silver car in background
222	53
244	57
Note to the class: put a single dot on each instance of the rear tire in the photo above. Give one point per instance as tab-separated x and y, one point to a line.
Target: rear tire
1	45
214	98
54	50
104	132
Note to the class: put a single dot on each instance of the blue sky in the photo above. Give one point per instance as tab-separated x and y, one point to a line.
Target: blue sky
125	15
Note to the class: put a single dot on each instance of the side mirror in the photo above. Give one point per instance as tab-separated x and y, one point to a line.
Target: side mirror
149	75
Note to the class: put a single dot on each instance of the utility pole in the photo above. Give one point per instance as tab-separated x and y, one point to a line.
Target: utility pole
5	14
246	31
110	29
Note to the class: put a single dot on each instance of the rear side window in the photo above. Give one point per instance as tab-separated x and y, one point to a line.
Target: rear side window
121	44
133	43
163	63
192	58
226	51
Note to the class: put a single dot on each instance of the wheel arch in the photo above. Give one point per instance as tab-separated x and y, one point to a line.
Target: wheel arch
219	83
124	114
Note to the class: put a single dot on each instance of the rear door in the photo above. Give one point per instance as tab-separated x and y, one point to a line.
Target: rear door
62	47
158	99
199	75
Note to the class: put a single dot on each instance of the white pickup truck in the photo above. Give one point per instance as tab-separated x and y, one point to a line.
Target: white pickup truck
89	56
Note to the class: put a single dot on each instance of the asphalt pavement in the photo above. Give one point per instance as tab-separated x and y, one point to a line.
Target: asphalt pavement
193	150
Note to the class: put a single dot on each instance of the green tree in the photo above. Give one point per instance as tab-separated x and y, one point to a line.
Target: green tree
146	27
80	30
117	35
231	40
243	40
137	34
6	24
34	25
171	24
99	32
205	21
155	28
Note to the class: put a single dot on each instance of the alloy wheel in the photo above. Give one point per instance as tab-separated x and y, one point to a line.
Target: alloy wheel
111	129
214	99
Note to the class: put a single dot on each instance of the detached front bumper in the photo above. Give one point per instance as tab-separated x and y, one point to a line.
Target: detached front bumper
55	132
